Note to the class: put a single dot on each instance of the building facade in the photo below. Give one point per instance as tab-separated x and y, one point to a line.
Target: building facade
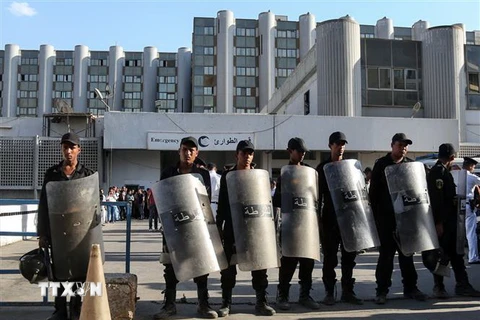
293	78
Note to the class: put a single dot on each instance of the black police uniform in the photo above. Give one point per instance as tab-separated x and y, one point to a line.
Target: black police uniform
384	215
55	173
330	238
225	225
441	189
289	264
169	274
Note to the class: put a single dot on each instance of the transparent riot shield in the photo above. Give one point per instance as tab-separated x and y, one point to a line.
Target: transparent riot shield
407	185
75	224
350	199
252	217
185	227
300	232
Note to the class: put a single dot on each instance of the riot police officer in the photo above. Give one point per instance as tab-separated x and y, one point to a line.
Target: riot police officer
68	169
441	189
188	152
244	155
384	215
296	150
330	233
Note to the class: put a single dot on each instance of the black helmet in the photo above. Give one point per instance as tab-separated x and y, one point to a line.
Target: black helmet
32	266
437	262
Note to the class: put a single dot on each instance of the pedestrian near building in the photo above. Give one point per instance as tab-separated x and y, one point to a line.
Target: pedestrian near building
473	181
68	169
441	189
330	233
215	184
384	215
188	152
152	211
296	150
244	156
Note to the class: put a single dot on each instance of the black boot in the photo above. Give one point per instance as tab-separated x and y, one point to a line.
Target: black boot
439	290
60	312
329	299
261	306
464	288
75	307
203	309
226	303
348	295
305	299
169	308
282	297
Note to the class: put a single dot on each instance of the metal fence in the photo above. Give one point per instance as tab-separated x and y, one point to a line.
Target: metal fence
24	160
6	202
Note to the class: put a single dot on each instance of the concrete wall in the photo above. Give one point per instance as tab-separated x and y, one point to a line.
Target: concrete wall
17	223
272	132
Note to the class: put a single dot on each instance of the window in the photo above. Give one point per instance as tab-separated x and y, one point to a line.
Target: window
63	78
208	50
473	82
379	78
27	77
405	79
208	91
208	70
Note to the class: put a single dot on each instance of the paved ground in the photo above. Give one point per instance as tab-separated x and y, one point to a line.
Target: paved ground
146	245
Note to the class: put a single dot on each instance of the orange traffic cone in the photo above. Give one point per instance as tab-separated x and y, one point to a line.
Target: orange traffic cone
95	307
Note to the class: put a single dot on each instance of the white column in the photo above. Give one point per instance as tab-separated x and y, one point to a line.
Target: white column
10	75
225	30
80	89
338	68
115	74
184	80
307	26
384	29
150	69
266	57
46	59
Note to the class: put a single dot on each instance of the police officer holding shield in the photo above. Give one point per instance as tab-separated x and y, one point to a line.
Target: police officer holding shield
296	150
441	189
188	152
384	215
330	233
68	169
244	156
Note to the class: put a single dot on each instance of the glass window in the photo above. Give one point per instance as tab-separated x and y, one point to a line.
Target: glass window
410	79
385	81
379	52
473	82
398	79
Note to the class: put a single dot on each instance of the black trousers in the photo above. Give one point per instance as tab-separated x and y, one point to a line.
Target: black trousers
331	239
287	269
171	279
383	272
448	242
229	275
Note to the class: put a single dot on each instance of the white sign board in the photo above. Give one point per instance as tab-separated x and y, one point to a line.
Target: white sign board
208	142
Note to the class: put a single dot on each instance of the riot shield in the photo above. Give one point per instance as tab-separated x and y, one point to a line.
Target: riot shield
460	179
252	217
75	224
300	234
192	251
409	194
350	199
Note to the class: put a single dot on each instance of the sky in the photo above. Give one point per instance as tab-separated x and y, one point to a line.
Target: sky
168	25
